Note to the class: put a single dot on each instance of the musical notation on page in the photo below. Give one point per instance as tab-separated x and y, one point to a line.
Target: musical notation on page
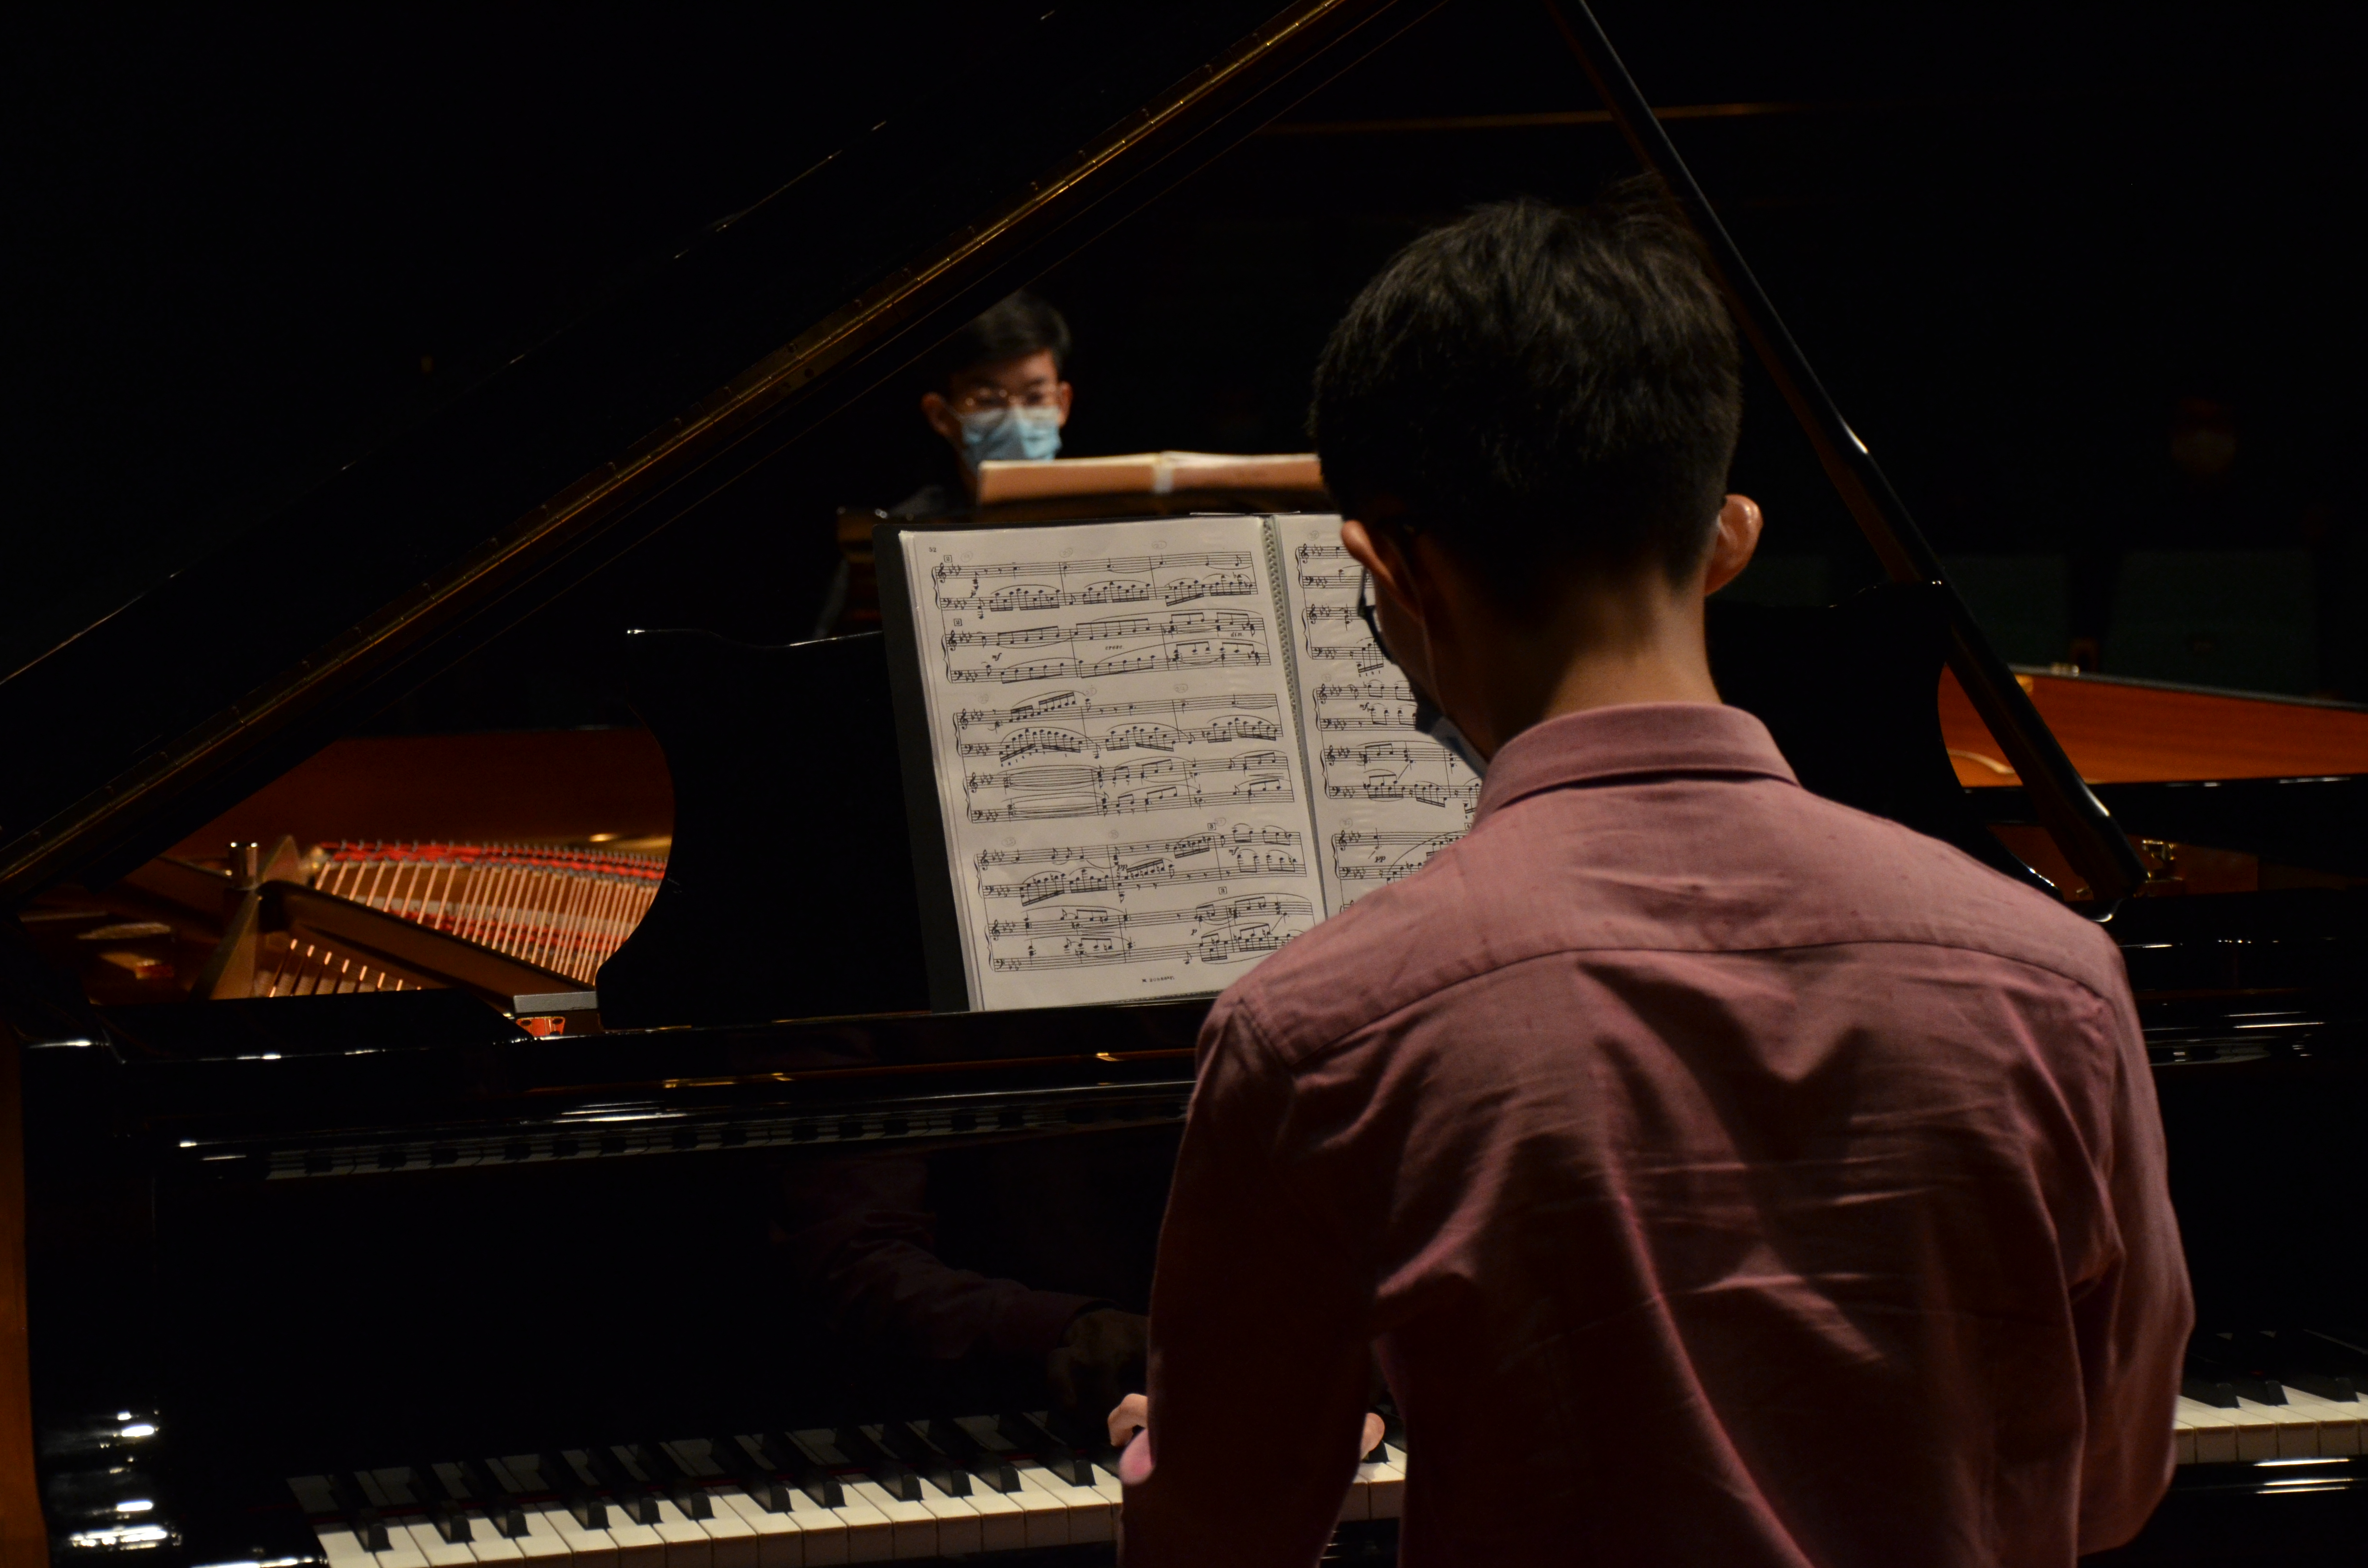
1066	724
1364	705
1242	853
1328	566
1161	656
1131	644
1385	856
1217	931
1078	789
1005	587
1387	798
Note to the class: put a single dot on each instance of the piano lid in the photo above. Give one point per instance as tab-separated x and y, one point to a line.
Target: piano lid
155	718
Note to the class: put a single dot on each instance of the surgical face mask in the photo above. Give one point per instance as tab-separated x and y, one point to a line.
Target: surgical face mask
1427	715
1442	728
1013	432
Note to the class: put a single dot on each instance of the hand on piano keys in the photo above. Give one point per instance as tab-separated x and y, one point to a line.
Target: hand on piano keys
1099	1359
1133	1416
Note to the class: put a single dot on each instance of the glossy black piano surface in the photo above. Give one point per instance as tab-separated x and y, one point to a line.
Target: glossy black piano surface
483	1291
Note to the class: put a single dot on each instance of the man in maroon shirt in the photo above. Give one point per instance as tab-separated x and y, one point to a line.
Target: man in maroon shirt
1723	1176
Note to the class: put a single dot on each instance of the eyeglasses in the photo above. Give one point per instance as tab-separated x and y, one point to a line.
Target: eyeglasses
985	399
1368	610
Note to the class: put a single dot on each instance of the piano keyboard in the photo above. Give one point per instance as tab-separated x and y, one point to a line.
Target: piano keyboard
2305	1426
892	1492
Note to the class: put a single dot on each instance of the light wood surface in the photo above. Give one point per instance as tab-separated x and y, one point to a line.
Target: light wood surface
2134	735
543	786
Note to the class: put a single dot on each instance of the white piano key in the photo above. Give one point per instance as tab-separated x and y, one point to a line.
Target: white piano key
1035	1517
960	1533
883	1536
732	1541
2297	1429
953	1523
402	1550
540	1546
1002	1520
864	1533
915	1526
337	1542
773	1539
638	1546
1385	1488
392	1489
588	1548
339	1547
486	1544
431	1545
2340	1423
2182	1443
2256	1431
489	1547
2215	1429
780	1538
687	1542
1055	1513
1092	1517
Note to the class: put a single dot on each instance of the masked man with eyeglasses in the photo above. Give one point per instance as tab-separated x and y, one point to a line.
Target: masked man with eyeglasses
996	391
1722	1175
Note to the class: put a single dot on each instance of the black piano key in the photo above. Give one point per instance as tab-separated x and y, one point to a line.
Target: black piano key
892	1473
966	1451
2326	1385
635	1498
754	1479
2218	1367
2311	1362
915	1450
1023	1433
444	1510
560	1478
2220	1396
493	1499
787	1459
361	1516
675	1482
1084	1435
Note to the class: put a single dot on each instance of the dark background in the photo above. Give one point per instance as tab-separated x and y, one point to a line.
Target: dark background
2085	283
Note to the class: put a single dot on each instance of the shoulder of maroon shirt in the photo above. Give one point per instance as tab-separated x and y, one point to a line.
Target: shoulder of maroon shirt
1473	909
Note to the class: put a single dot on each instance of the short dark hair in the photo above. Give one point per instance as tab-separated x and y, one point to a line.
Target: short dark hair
1540	387
1016	325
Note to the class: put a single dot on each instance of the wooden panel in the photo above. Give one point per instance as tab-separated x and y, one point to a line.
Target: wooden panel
23	1541
553	786
2136	734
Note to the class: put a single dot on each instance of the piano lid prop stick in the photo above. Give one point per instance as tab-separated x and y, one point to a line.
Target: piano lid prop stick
2072	814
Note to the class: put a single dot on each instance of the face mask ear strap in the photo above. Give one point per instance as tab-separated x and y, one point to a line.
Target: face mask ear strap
1442	728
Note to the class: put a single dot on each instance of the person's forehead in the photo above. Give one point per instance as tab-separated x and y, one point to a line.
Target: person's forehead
1018	370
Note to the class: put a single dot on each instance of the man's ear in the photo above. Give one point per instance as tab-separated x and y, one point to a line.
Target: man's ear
1377	553
1068	396
945	422
1731	544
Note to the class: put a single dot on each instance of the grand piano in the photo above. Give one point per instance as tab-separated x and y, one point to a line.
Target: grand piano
392	1167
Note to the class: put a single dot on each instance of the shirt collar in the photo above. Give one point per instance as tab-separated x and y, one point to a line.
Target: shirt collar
1595	746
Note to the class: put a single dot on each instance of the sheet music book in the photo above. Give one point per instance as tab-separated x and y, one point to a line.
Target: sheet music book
1140	755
